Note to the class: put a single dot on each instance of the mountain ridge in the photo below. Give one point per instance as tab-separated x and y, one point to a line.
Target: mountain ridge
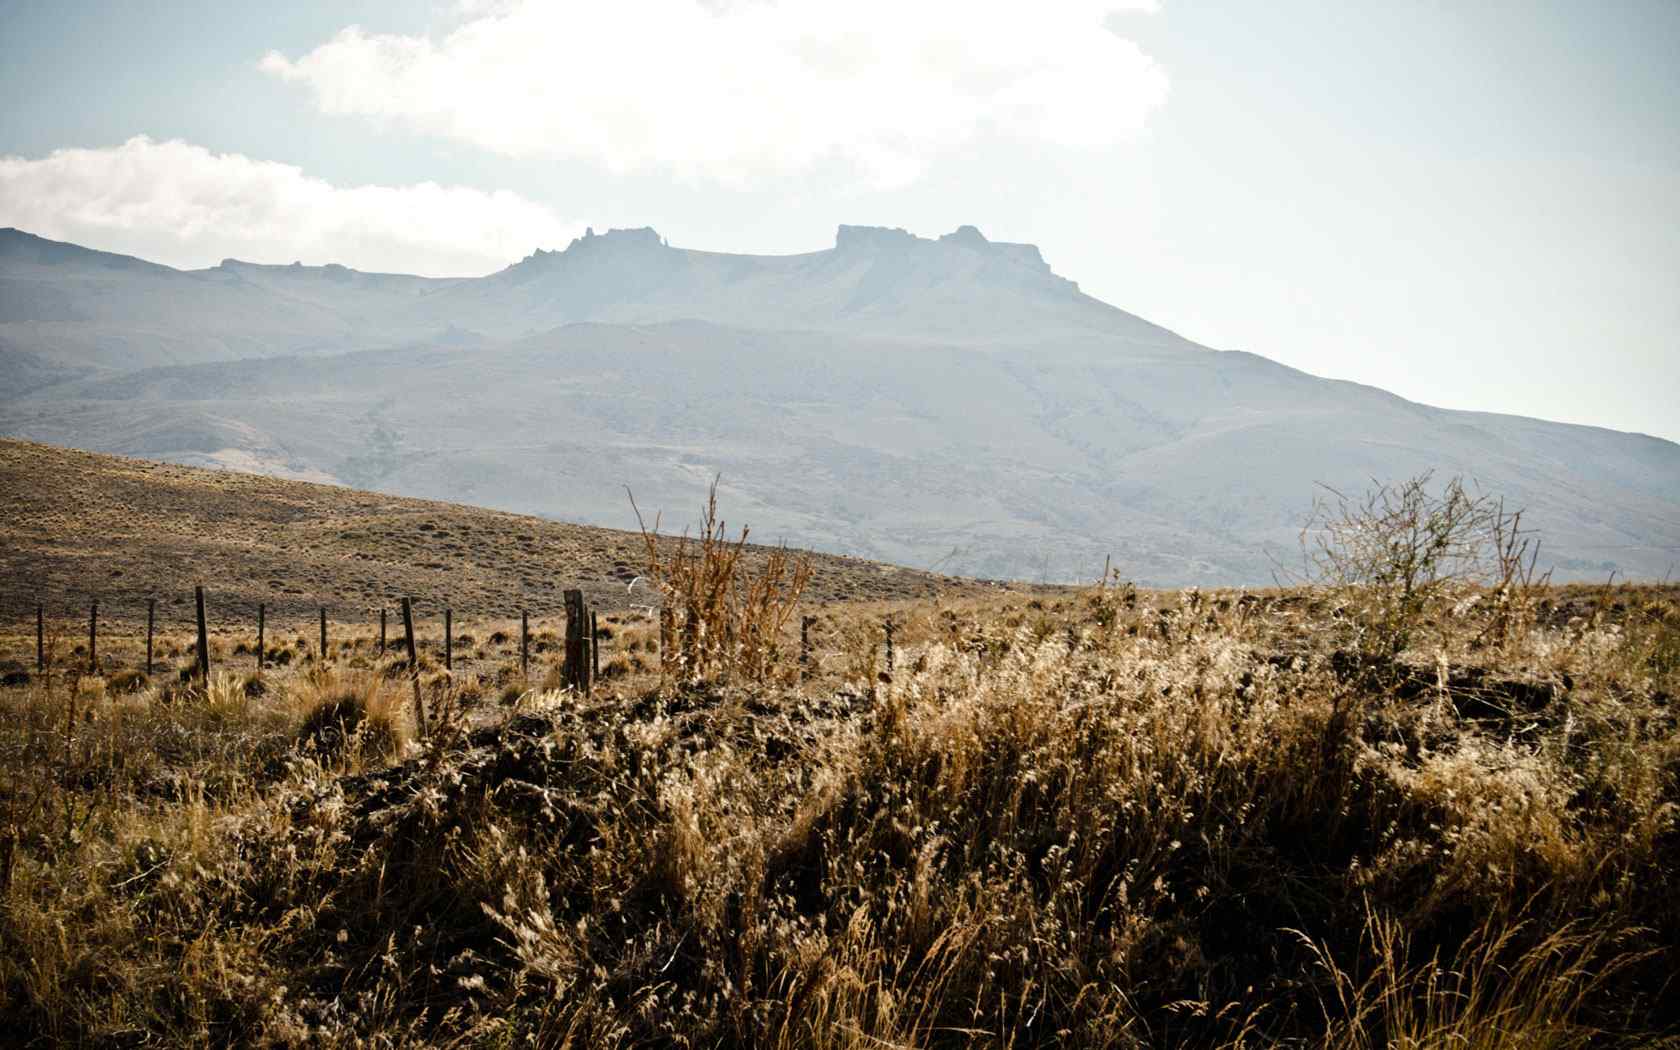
857	280
908	399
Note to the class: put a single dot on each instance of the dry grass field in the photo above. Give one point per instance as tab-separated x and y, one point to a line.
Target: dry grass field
78	527
1352	815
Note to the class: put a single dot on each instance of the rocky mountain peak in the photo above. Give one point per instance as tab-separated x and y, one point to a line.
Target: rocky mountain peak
629	244
873	238
639	239
884	240
969	236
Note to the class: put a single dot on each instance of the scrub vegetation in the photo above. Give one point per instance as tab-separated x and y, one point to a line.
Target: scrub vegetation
1348	813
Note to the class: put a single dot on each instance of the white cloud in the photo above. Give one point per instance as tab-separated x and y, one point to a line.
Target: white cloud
741	90
180	204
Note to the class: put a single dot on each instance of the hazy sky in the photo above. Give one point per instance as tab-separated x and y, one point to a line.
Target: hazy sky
1474	204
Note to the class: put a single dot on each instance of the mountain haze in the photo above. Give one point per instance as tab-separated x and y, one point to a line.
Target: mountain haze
948	402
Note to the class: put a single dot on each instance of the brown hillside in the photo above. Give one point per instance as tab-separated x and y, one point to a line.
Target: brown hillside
79	526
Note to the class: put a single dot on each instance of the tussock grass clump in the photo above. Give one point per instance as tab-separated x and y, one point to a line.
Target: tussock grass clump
351	718
127	681
469	689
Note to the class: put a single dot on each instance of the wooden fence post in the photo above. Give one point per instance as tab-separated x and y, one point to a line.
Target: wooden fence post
151	616
381	630
805	623
889	629
667	639
262	654
594	646
413	666
448	639
93	639
203	639
524	645
323	635
40	638
577	655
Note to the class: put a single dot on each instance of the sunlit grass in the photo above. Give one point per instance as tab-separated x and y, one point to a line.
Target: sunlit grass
1110	818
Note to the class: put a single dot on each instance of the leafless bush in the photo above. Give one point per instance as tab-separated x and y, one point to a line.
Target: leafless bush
1513	586
1402	549
719	619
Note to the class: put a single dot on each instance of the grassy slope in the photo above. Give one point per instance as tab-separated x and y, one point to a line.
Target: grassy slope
78	526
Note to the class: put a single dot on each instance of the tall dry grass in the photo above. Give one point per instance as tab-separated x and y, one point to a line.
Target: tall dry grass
1112	819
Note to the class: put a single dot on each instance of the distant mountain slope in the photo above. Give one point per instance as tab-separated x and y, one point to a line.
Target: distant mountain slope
80	527
80	308
945	402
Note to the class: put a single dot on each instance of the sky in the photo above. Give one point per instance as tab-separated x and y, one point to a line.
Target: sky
1473	205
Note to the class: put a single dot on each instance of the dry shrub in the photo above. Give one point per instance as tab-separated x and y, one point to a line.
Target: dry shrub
719	620
1403	550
